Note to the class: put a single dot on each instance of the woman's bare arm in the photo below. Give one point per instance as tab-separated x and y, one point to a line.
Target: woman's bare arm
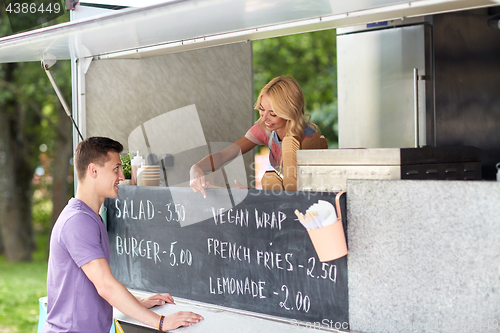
215	161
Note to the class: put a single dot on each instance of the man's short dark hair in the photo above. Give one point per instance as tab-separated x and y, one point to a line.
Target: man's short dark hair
94	150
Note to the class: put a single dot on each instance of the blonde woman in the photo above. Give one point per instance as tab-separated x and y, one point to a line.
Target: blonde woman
282	112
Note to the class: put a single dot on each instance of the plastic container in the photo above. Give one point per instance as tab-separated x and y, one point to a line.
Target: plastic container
329	242
135	164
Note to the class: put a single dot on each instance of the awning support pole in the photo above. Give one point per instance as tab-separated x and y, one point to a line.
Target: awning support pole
46	67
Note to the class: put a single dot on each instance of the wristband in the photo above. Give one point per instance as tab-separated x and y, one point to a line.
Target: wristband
212	163
160	324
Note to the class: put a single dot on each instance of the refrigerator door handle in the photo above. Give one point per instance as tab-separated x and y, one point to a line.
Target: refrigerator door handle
415	105
416	78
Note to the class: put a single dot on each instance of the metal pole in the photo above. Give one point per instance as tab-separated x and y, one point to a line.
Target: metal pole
61	97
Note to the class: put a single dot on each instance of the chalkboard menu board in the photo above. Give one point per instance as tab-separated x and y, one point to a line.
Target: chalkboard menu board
255	256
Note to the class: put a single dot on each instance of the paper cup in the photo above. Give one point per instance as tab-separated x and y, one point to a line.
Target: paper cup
329	242
148	170
150	167
148	182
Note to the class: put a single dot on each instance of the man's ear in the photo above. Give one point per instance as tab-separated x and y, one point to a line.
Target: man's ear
92	170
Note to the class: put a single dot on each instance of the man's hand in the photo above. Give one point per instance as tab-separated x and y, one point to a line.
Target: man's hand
178	319
155	299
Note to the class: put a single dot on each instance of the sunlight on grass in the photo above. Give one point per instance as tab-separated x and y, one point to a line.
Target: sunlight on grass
21	285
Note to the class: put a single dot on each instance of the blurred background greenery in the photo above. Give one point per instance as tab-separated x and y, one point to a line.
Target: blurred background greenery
36	149
36	176
310	58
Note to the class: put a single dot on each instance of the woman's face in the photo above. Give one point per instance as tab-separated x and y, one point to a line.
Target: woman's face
269	118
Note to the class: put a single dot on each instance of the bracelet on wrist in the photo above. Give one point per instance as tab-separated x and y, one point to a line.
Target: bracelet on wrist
160	324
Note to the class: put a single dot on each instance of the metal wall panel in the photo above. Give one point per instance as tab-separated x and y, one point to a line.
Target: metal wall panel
467	79
185	103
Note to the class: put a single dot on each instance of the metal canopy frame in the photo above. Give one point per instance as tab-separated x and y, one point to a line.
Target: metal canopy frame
187	24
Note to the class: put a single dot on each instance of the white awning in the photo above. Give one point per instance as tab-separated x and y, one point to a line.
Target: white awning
126	3
195	24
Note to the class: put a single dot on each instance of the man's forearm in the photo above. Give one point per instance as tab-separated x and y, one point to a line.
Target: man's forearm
119	297
115	293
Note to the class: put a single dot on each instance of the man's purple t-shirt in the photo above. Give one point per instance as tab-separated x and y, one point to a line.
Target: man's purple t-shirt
78	237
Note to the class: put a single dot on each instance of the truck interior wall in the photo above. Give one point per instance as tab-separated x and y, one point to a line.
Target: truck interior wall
123	94
467	77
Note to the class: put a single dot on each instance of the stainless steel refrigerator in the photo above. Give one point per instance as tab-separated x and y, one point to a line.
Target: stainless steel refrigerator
385	87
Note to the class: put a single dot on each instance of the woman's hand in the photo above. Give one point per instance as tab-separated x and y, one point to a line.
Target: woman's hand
197	182
155	299
178	319
240	185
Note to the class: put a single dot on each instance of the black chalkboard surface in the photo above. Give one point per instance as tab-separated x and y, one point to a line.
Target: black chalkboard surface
255	256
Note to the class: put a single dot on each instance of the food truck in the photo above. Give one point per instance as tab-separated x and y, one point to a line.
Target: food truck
419	114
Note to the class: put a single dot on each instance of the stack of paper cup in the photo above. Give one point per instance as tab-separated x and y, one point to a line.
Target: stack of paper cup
148	175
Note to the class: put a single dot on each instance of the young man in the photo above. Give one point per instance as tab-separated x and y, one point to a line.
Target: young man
80	286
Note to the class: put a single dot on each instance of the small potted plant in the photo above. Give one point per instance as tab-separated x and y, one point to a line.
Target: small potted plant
127	171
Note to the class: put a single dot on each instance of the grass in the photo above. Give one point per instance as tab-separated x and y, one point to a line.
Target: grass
21	285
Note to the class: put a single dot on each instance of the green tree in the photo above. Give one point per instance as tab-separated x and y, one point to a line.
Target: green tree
30	115
311	59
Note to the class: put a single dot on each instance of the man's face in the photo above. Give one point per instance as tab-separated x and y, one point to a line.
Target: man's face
109	175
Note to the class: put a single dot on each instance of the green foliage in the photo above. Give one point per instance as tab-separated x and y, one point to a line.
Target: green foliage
34	14
37	14
42	210
39	106
37	123
33	111
327	119
127	169
311	59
